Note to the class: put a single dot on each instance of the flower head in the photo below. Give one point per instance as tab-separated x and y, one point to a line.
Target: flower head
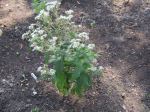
51	5
84	35
52	71
91	46
69	12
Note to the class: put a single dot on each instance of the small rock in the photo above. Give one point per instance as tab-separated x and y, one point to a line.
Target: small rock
34	77
34	92
124	107
17	53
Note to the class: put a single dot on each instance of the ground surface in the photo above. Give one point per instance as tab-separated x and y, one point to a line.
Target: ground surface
121	35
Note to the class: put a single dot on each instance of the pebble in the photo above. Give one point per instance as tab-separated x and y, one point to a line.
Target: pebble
34	77
34	91
124	107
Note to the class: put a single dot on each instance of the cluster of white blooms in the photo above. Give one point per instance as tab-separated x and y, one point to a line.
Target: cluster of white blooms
69	12
25	35
91	46
31	27
52	44
84	35
43	13
53	40
76	43
46	38
68	16
51	5
52	71
44	71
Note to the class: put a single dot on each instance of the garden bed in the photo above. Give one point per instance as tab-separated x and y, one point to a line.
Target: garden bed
121	35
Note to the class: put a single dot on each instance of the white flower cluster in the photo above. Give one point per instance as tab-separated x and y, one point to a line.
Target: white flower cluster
68	16
84	35
75	43
51	5
91	46
44	71
69	12
56	38
43	13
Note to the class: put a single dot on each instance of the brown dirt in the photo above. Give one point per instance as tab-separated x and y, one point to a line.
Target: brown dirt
121	35
14	11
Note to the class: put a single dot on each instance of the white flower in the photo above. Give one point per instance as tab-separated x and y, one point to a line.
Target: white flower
33	45
41	32
51	5
25	35
84	35
52	42
45	35
69	12
70	17
94	61
52	71
75	44
41	12
39	69
66	17
101	68
54	38
33	35
93	68
55	2
82	45
31	27
46	13
75	40
37	17
37	48
91	46
43	72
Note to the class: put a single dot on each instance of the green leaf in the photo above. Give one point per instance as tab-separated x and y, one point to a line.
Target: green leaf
76	74
47	57
38	5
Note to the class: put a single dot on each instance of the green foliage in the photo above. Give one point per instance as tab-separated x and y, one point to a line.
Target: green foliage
38	5
69	57
35	109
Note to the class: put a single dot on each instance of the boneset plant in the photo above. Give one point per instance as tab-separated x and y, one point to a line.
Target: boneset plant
69	57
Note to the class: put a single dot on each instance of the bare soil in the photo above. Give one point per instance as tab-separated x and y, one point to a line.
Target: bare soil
121	35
